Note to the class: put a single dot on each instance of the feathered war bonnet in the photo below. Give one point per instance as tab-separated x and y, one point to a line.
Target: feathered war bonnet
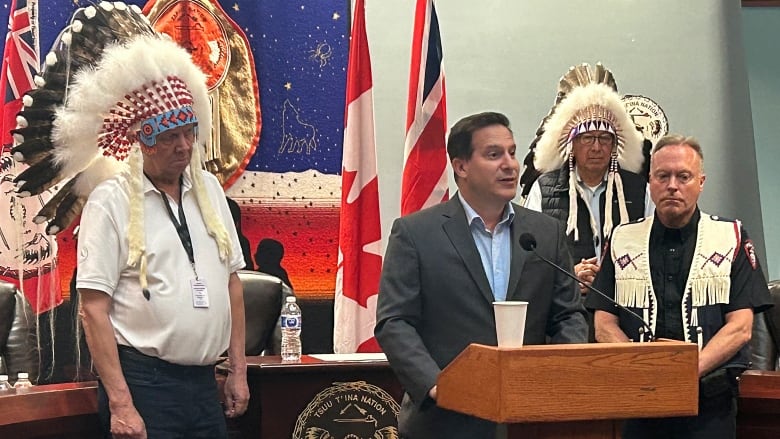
587	100
110	80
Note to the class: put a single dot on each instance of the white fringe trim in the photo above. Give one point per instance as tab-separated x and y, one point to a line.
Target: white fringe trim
699	338
633	293
573	206
135	232
709	291
571	222
606	223
214	226
142	280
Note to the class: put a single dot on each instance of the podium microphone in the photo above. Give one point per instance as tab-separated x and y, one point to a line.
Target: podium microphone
528	243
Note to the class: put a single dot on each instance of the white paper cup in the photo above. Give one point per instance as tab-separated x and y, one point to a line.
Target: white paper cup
510	323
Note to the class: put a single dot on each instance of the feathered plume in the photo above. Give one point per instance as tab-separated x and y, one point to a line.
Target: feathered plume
79	48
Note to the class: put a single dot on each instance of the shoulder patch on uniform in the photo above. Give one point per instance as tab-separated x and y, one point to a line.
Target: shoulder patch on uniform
750	252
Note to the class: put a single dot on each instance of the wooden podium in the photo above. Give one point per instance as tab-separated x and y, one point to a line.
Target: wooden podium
560	384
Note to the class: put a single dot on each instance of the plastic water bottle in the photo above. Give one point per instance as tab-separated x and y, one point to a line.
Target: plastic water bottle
22	381
291	330
4	384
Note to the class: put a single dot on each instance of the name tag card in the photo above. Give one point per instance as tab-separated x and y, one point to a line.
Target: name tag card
200	295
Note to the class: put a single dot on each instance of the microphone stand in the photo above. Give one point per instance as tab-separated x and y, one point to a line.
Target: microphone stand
644	330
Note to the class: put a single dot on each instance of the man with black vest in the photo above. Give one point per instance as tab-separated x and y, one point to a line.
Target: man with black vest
587	157
691	276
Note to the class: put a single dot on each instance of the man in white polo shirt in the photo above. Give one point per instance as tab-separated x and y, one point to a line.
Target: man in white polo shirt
158	251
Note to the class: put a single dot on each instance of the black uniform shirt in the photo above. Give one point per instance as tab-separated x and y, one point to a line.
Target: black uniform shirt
671	256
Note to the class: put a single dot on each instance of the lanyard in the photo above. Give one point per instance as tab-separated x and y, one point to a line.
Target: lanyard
181	228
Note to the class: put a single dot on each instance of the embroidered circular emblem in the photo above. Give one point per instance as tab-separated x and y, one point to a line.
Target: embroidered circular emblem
647	115
354	410
147	129
750	251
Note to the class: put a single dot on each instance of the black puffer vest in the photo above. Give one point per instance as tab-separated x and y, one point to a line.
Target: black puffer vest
554	186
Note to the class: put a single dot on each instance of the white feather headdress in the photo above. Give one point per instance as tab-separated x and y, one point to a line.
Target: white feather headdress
587	100
109	74
590	103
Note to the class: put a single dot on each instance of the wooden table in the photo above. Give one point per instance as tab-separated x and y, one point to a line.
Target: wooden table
280	392
53	411
758	415
70	410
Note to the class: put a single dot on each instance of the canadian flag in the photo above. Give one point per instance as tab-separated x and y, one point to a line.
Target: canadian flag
360	260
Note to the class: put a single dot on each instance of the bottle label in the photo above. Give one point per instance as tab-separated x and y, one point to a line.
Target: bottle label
291	322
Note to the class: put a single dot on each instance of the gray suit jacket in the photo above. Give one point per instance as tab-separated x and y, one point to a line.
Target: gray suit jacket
435	299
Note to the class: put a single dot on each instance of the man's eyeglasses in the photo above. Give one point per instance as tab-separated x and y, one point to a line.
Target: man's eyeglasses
605	139
665	177
168	137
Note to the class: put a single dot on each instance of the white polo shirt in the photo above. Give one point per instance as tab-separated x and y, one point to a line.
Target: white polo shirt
167	326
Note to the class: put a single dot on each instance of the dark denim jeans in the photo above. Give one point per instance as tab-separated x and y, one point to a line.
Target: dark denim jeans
174	401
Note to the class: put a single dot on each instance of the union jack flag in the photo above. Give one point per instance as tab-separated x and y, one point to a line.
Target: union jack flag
20	61
424	180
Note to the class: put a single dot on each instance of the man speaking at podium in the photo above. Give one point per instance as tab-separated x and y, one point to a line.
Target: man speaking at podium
692	277
445	265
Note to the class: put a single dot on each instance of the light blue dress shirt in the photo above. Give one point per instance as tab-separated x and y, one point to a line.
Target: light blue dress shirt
495	248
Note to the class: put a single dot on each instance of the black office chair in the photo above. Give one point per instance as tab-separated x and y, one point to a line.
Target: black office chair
263	298
18	342
765	343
